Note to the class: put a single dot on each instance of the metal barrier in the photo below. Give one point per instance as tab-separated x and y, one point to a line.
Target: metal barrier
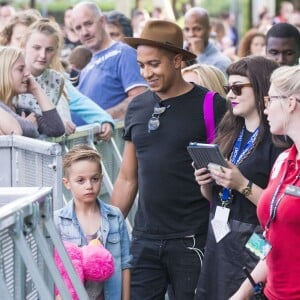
27	232
27	237
31	163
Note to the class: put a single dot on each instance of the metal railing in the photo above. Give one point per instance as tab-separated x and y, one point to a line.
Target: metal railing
27	162
27	238
27	232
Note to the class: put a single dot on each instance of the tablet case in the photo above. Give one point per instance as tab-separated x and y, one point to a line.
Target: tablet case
203	154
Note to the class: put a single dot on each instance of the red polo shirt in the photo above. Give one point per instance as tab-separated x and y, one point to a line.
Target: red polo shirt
283	260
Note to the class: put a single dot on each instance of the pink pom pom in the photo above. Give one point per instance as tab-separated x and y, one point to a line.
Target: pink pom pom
98	264
75	255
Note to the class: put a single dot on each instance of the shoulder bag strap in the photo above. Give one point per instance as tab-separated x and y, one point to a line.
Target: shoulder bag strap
209	117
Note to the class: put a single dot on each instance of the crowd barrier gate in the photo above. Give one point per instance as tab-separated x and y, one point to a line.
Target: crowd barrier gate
37	163
27	162
27	237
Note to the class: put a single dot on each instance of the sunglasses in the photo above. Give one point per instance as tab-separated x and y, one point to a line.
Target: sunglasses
154	123
236	88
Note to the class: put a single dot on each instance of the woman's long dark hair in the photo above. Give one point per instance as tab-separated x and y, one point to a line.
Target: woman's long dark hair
258	70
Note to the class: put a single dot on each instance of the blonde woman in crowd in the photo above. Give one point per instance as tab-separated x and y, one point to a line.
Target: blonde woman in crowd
206	75
15	79
278	208
42	44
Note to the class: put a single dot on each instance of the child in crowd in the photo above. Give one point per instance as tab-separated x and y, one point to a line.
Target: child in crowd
15	79
79	57
86	217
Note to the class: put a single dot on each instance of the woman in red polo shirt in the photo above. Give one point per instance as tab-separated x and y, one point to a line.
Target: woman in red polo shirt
279	206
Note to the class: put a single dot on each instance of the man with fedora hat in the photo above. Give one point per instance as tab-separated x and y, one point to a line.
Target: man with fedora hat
170	225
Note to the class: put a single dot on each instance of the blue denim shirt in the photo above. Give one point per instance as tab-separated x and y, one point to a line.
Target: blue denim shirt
114	235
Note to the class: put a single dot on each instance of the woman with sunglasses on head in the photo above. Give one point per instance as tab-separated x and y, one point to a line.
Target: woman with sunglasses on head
278	208
245	141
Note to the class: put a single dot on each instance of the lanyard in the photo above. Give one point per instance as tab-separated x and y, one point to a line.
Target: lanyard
276	201
236	157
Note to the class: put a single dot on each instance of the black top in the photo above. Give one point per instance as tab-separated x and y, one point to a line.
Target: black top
170	203
256	167
222	273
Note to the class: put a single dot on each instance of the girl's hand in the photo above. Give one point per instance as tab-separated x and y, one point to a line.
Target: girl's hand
229	177
203	176
31	117
32	85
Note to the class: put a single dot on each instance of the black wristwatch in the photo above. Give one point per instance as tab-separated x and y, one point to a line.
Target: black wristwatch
248	189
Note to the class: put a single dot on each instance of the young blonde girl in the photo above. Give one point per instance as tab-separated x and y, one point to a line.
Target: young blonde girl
15	79
42	45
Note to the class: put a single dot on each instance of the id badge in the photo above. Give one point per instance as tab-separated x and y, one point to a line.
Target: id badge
220	224
258	245
222	214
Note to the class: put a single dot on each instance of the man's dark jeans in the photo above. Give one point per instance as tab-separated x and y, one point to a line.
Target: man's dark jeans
159	263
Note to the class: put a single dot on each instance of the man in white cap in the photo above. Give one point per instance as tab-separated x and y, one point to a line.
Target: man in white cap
170	225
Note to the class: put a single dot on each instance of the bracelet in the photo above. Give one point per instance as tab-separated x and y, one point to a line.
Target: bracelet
248	189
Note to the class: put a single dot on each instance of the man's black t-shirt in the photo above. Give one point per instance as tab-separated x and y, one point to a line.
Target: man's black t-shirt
170	203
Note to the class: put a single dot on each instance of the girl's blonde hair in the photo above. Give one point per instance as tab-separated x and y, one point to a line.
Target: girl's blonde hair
48	28
287	80
208	76
8	56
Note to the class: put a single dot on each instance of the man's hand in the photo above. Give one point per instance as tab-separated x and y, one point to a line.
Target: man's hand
70	127
106	132
195	45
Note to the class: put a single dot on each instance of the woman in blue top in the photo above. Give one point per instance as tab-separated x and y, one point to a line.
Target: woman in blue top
86	218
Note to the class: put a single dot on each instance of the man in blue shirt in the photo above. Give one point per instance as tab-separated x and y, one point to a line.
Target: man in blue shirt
112	78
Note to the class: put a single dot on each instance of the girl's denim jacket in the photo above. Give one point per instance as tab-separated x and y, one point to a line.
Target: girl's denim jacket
114	235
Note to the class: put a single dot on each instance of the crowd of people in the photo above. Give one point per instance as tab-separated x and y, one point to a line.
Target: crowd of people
193	229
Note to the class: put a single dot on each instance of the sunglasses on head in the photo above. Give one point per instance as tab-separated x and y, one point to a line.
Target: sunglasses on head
236	88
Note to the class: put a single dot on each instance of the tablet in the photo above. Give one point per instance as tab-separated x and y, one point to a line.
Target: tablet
203	154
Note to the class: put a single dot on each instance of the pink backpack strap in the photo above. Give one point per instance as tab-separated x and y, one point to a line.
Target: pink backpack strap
209	117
